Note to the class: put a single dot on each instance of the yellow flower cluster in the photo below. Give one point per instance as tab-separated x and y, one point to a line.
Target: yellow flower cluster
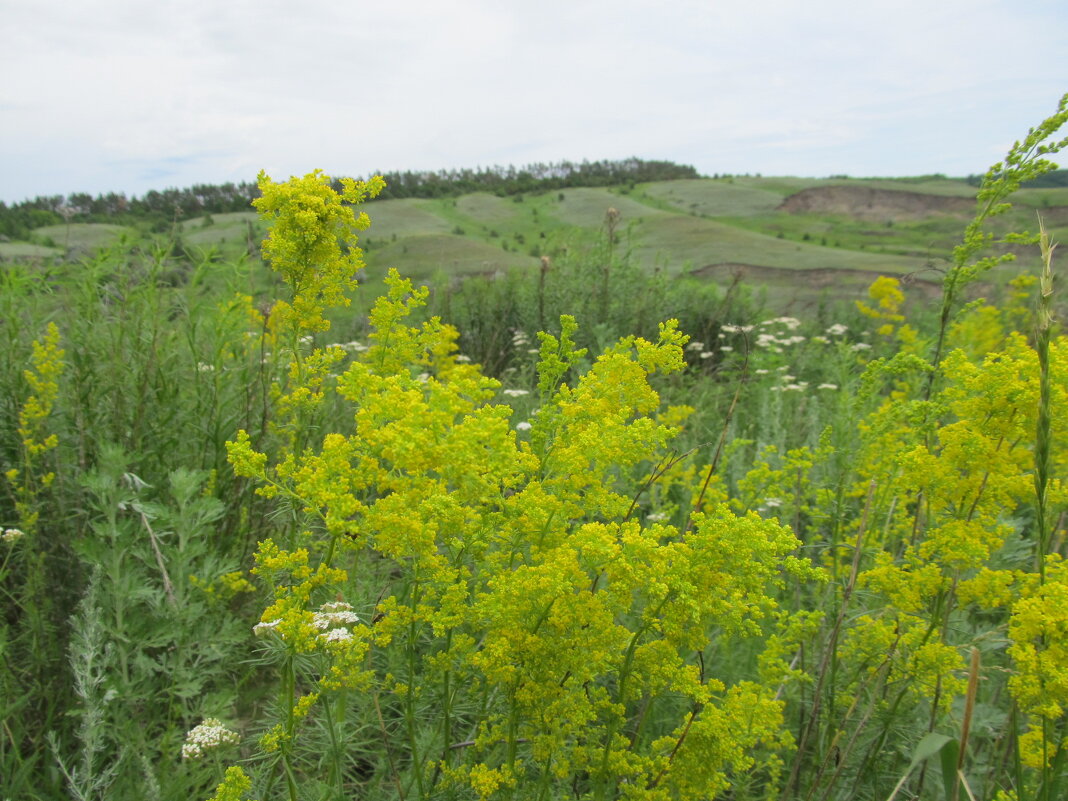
311	230
505	584
885	292
43	379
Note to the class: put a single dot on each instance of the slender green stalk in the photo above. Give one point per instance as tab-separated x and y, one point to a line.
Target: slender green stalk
1043	434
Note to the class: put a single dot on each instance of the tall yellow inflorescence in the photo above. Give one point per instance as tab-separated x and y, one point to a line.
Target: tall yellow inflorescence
503	597
42	377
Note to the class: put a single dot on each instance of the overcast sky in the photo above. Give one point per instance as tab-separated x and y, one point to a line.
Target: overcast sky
131	95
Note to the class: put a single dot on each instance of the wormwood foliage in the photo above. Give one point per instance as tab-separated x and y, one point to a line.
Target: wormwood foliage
484	602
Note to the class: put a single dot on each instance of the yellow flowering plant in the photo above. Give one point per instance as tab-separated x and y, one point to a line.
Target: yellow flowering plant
30	478
515	628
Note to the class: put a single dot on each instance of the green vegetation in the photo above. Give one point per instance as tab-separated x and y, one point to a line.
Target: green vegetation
767	229
588	529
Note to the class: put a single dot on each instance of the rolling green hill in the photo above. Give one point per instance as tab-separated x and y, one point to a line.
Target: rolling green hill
800	236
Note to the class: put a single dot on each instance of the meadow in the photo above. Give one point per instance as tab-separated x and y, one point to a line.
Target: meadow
596	527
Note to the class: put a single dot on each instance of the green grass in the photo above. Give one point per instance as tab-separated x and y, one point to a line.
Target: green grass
678	241
946	187
399	218
486	209
932	237
26	250
1043	198
420	257
83	236
712	198
586	208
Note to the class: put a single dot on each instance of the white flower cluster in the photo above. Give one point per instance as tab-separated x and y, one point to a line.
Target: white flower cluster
790	323
738	329
515	393
263	629
695	345
337	635
463	358
523	425
12	534
519	339
767	340
352	347
775	339
837	330
333	618
336	613
209	734
790	383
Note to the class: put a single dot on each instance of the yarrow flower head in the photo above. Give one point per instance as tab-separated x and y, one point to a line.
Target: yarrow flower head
337	635
790	323
263	629
209	734
333	615
12	535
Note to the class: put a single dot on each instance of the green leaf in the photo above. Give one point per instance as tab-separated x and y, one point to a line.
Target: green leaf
950	754
930	745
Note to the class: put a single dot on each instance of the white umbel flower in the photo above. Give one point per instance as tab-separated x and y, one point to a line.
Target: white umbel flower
333	615
263	629
209	734
12	534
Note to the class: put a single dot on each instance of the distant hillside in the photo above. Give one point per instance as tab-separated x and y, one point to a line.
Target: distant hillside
159	210
795	235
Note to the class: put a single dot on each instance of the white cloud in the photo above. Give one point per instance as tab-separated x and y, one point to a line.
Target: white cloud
125	95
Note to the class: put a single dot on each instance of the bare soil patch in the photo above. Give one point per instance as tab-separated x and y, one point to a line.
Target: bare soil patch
877	205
